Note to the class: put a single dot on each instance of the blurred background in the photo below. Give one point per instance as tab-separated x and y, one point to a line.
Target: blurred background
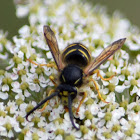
129	8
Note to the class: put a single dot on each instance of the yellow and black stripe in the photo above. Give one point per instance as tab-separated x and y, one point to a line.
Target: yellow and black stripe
77	54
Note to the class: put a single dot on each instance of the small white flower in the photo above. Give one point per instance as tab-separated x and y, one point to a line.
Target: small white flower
125	55
134	46
13	107
104	66
54	114
20	96
14	76
11	64
125	124
94	109
133	116
134	90
137	128
97	52
120	88
19	43
1	77
43	81
118	113
41	43
5	87
24	31
87	123
88	135
22	11
118	135
58	137
16	87
49	55
138	58
27	93
14	125
111	97
81	112
21	55
101	114
3	95
4	56
121	77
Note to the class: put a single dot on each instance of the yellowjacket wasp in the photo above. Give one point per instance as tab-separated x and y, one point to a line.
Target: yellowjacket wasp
74	65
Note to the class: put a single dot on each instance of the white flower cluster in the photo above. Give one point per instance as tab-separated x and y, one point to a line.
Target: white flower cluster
24	84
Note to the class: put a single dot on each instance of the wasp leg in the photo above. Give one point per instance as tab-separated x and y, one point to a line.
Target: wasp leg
105	79
51	91
81	102
47	65
52	79
97	88
44	106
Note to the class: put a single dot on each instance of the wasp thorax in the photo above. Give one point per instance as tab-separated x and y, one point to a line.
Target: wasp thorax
72	75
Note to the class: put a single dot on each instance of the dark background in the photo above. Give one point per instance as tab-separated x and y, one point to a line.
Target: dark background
8	21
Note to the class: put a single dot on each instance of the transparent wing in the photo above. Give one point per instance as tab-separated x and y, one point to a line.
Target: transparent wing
105	54
52	43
